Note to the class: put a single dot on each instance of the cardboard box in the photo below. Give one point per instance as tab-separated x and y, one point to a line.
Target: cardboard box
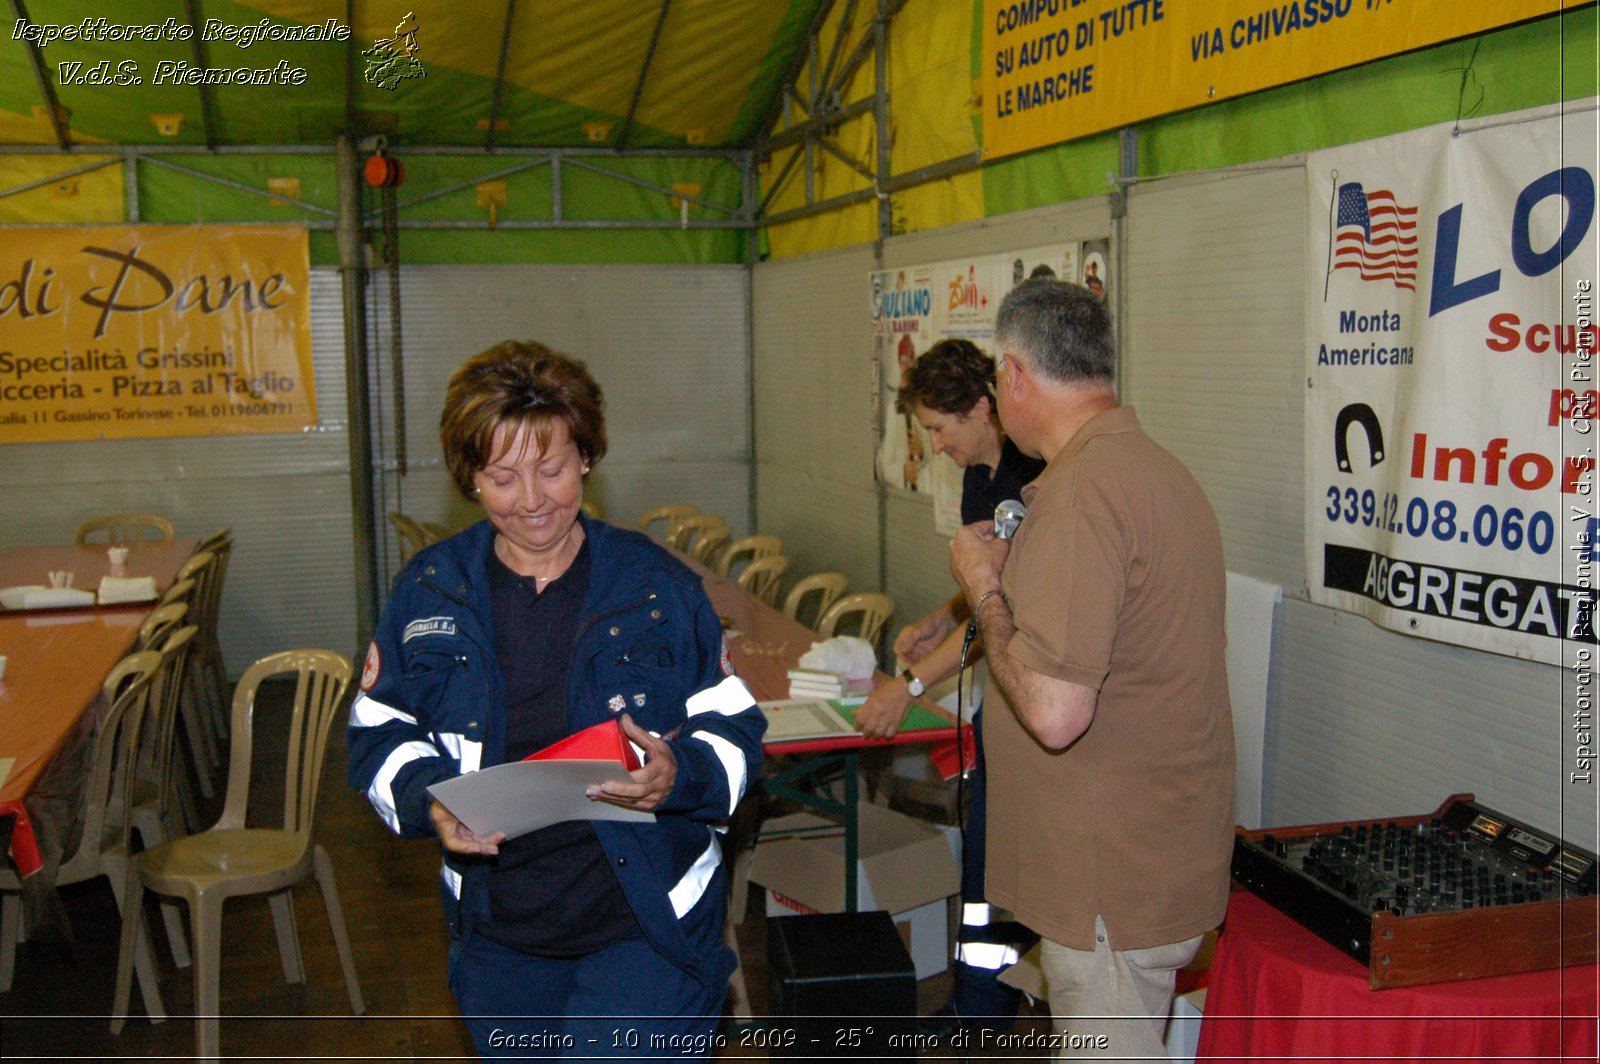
903	867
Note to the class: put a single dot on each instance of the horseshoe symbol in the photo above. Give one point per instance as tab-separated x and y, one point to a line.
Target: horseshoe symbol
1361	414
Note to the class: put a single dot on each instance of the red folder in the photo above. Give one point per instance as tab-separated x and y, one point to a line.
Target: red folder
602	742
948	762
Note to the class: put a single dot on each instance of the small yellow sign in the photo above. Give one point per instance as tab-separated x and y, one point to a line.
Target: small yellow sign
118	332
1056	70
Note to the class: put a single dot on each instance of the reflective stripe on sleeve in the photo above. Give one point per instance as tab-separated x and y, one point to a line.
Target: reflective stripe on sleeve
381	793
368	712
693	885
730	698
467	752
732	759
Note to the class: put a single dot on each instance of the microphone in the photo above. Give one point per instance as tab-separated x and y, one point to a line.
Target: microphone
1007	516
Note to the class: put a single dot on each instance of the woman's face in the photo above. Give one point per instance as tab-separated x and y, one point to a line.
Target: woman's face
531	497
969	439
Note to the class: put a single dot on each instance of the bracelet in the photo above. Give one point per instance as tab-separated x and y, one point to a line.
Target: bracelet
985	598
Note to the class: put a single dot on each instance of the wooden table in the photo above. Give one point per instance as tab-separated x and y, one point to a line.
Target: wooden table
56	663
57	660
88	562
764	644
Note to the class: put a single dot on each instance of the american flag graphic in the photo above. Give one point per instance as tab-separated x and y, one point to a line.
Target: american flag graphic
1375	235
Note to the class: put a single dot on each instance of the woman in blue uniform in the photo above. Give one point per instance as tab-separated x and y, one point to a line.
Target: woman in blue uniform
531	625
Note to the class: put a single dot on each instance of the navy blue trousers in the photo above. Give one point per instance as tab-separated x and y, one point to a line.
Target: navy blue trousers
625	1000
977	992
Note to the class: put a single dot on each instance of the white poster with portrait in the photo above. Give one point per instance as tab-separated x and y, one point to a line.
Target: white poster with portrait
1450	366
914	308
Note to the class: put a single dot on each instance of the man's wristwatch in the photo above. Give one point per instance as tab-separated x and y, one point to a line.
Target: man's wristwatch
913	685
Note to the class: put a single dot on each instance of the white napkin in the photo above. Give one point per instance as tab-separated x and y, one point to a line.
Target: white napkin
126	589
52	597
847	655
12	598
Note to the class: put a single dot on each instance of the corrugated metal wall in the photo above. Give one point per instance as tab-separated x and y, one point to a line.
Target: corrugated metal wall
1361	722
813	421
668	344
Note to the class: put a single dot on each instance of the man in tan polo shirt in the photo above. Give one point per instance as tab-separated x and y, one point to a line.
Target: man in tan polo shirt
1110	740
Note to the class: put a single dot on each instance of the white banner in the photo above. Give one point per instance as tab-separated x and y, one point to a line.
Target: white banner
914	308
1450	362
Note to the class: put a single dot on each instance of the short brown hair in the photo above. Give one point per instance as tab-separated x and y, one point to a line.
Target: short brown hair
517	383
950	378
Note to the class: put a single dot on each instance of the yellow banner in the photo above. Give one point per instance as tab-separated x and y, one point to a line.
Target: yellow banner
1056	70
154	330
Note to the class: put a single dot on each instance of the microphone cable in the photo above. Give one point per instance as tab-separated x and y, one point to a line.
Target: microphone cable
961	752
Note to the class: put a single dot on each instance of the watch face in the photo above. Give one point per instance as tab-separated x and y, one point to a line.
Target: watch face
914	685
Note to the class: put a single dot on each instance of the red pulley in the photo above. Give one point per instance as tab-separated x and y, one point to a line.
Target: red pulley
383	171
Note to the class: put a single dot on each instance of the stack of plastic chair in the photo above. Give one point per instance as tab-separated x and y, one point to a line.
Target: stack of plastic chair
232	859
208	646
125	528
154	634
204	680
825	586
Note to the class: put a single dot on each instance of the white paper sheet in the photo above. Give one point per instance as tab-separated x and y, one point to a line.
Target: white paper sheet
803	719
523	796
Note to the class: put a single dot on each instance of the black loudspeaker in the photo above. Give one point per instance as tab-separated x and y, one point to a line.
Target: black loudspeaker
842	985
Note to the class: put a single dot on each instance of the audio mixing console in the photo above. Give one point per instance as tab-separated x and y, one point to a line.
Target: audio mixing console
1462	893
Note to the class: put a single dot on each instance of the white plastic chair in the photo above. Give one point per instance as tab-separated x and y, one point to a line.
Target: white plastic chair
826	586
232	859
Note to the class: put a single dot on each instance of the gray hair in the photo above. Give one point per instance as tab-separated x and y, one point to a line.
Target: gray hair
1062	329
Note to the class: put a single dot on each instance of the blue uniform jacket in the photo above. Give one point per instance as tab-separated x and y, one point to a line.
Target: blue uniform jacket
431	706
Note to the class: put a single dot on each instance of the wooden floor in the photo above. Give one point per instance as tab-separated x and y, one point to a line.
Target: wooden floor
59	1004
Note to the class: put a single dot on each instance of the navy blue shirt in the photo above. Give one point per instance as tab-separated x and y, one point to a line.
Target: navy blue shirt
551	892
981	492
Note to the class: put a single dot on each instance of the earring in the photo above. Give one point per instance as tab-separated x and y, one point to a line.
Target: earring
585	470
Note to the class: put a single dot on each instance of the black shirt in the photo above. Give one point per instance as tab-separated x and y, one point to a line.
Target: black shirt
551	892
981	492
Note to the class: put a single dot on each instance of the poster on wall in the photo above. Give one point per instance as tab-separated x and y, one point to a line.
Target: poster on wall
117	332
1450	365
914	308
1057	70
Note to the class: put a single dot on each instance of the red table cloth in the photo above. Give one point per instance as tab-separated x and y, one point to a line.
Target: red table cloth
1278	992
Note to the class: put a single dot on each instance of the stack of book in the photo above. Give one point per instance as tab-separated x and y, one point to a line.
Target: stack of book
813	683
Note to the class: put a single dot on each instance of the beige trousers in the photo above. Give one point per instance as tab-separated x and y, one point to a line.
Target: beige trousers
1112	1005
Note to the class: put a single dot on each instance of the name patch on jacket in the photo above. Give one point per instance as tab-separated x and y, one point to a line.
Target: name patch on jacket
429	626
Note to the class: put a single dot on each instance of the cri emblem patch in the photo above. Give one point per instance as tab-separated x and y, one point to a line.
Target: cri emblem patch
617	703
369	671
